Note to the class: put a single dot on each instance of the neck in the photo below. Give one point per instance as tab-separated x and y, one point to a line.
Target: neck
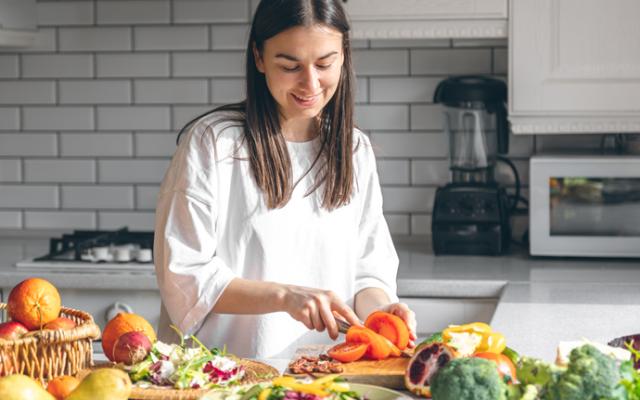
298	129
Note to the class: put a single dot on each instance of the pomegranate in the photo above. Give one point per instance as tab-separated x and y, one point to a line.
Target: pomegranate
426	361
131	348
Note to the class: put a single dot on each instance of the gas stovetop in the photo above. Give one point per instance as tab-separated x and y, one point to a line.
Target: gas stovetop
119	250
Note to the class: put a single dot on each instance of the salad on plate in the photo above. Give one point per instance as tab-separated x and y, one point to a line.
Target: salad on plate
328	387
181	367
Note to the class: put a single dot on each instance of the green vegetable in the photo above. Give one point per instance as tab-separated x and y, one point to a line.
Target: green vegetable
522	392
140	370
434	338
630	382
468	378
511	355
590	375
532	371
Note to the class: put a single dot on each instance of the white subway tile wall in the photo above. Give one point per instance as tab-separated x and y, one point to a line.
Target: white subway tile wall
89	114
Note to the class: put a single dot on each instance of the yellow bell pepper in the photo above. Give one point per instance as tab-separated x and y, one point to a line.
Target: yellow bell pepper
325	379
479	328
487	340
264	394
494	342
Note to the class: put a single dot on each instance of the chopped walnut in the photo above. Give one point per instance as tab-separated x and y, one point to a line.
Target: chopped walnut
309	364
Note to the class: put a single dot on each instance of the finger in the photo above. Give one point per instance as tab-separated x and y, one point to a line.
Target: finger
318	325
409	317
346	312
306	320
329	320
411	344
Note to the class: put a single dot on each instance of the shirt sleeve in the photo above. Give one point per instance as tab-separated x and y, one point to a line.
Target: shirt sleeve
378	261
190	275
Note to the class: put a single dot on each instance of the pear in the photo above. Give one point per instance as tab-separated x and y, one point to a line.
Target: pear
21	387
103	384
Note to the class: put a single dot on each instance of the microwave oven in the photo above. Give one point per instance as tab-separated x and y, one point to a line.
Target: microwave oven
584	206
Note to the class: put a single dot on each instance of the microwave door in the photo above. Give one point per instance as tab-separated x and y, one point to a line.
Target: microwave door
585	206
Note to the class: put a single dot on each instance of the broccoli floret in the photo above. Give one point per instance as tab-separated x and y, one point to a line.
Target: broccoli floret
532	371
522	392
470	379
590	375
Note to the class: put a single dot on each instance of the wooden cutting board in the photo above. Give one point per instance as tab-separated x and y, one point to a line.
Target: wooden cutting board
387	373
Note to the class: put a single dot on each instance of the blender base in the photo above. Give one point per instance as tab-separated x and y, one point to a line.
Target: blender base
471	219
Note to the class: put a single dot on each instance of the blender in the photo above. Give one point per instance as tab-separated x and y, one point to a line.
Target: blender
471	213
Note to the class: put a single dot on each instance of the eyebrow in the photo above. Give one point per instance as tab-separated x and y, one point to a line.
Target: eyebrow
292	58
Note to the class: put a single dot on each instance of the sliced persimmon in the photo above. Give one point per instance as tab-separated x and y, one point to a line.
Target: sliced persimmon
377	349
348	352
390	326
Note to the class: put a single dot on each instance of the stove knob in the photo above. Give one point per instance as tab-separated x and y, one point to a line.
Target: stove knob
100	254
144	256
122	254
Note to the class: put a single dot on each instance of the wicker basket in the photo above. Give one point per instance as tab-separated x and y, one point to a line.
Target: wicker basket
47	354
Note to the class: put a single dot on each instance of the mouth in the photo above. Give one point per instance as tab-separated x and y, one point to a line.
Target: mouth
306	101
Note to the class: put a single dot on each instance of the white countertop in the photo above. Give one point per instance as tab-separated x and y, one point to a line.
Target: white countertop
541	301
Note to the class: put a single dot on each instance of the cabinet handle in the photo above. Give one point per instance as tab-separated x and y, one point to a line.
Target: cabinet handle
116	308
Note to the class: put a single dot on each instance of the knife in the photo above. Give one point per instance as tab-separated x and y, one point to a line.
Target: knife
343	327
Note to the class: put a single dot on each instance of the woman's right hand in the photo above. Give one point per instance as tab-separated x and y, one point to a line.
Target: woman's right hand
315	308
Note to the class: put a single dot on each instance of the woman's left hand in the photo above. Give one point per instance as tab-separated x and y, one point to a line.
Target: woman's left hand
409	317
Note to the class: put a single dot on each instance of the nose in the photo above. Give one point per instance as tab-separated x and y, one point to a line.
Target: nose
310	81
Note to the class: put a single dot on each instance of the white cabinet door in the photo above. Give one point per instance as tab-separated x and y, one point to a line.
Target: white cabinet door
574	66
435	314
427	18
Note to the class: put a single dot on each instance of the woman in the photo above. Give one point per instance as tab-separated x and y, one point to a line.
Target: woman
269	221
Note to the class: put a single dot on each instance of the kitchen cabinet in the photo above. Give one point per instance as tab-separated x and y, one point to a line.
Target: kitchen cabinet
18	23
411	19
435	314
574	66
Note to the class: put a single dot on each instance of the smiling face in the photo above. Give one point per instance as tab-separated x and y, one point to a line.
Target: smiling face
302	67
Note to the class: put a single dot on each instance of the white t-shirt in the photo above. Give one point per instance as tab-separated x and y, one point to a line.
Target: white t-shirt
212	225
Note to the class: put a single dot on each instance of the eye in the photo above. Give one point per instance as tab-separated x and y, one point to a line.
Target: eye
323	67
289	69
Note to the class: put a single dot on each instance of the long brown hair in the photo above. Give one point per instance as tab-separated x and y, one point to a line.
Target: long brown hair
258	113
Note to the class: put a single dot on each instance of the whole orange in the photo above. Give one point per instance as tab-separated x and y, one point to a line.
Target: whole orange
121	324
62	386
34	302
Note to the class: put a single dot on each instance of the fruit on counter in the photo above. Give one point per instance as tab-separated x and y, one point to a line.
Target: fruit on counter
12	330
60	323
348	352
131	348
506	369
390	326
384	334
103	384
121	324
468	378
378	348
474	337
21	387
61	386
34	302
424	365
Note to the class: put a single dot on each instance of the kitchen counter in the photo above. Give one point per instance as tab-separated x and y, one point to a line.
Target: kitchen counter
541	301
